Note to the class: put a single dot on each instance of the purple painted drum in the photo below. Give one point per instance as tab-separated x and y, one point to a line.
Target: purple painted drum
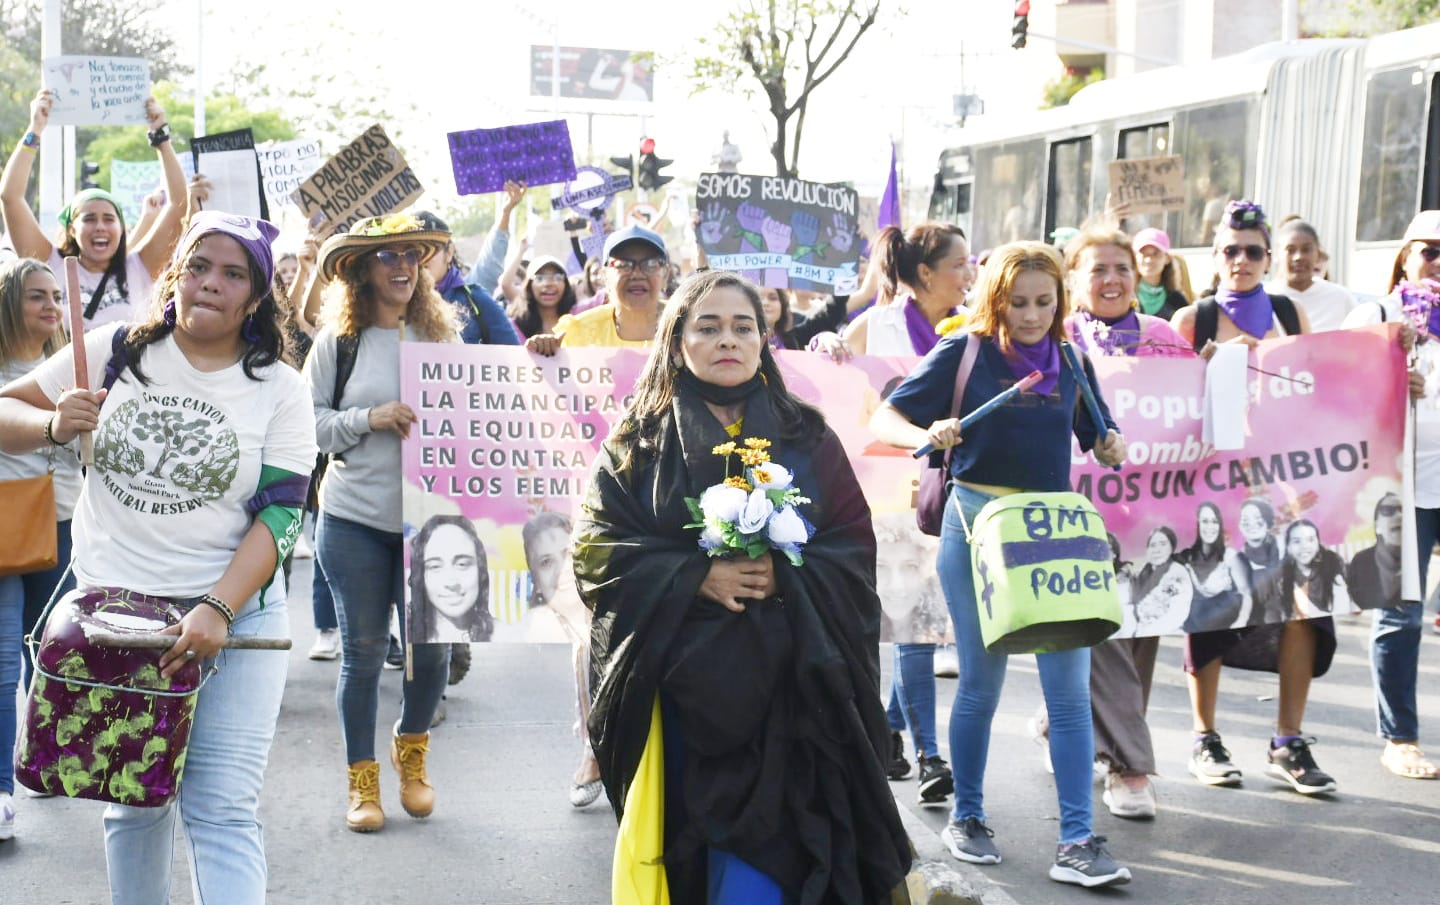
101	722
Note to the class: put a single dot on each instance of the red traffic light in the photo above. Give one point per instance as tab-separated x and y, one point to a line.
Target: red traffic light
647	146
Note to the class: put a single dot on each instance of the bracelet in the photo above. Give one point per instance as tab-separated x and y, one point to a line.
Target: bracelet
31	141
220	607
50	434
159	136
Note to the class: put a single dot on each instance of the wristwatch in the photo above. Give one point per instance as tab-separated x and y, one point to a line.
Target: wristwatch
159	136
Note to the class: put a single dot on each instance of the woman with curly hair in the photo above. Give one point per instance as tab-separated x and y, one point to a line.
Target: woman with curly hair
378	289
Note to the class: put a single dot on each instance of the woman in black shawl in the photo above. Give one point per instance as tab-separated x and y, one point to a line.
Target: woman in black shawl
766	674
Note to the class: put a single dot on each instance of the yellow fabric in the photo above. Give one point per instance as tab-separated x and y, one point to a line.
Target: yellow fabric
595	327
735	429
638	875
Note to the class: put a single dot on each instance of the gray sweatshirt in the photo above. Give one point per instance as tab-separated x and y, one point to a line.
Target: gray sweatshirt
364	485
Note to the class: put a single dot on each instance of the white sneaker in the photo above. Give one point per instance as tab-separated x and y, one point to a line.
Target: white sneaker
326	646
947	662
1125	800
7	816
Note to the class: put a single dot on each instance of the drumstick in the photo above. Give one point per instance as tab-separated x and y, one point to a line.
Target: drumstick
159	642
77	347
1092	404
1015	389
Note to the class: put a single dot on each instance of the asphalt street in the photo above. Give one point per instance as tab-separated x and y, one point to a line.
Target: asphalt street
504	832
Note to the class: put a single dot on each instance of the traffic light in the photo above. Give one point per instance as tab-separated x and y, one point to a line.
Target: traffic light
1020	29
88	172
626	163
650	167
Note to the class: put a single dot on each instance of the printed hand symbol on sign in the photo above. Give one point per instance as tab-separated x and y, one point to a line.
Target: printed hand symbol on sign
988	591
777	235
842	234
807	232
712	224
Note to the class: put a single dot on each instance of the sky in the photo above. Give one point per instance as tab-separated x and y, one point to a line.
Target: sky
443	67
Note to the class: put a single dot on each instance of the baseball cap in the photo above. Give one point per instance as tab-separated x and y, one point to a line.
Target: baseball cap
1151	236
1424	228
635	233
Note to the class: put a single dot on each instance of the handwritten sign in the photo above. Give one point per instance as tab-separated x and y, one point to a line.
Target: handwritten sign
536	154
368	178
98	91
283	166
780	232
130	182
227	160
1150	185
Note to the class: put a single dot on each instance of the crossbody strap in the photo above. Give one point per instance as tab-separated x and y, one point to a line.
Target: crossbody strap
962	377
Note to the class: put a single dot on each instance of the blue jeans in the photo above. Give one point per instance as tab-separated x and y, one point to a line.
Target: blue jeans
22	600
1064	678
235	717
912	696
1395	646
322	602
365	569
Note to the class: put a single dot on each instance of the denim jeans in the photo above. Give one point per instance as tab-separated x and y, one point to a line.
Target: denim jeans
322	602
365	569
1064	678
1395	646
22	600
912	696
230	738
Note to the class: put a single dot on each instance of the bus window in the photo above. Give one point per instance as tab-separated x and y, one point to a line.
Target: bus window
1430	194
1145	141
1391	160
1213	140
1009	179
1069	200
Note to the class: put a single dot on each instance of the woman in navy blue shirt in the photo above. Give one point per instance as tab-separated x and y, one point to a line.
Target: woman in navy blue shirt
1024	445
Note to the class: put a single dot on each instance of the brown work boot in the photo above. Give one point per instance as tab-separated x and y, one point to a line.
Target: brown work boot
364	814
407	753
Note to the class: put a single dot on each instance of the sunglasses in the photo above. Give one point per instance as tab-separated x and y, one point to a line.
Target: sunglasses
647	266
391	258
1430	253
548	278
1255	253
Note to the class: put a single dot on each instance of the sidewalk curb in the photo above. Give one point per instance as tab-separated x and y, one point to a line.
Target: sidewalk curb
937	878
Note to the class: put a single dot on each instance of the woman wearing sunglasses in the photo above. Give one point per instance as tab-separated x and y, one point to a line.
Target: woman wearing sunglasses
545	296
1299	649
378	288
1395	638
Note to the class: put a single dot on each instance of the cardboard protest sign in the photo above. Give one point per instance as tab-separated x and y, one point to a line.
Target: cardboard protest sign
1285	527
1150	185
228	161
283	166
780	232
534	153
367	178
130	182
97	91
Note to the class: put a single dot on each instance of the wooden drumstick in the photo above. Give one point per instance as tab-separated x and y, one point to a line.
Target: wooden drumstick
77	346
161	642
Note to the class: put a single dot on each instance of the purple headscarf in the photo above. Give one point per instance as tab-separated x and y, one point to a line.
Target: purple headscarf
252	234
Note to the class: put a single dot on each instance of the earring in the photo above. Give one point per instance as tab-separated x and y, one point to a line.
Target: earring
169	313
248	331
674	366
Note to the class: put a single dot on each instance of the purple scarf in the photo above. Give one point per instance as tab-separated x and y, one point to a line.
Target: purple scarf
1251	311
923	337
451	280
1044	357
1109	335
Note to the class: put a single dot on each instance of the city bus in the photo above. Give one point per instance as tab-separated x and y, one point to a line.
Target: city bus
1344	132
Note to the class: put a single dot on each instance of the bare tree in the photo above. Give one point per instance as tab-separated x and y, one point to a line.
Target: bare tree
790	47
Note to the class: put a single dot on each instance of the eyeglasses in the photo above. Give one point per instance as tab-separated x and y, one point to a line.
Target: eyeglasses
392	258
1431	253
1255	253
548	278
647	266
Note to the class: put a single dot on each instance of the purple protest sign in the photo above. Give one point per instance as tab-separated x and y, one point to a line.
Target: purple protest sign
535	154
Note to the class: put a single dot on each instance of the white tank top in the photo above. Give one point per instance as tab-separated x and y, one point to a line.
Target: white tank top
886	332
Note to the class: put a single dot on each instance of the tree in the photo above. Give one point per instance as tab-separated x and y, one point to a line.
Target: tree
111	28
223	113
790	47
1058	91
1373	17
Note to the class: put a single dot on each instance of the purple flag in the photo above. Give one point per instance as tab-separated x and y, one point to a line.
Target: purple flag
890	201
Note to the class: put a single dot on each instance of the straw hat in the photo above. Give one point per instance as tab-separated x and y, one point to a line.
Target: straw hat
343	249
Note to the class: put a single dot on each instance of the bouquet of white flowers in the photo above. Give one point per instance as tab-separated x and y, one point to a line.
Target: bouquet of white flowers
752	512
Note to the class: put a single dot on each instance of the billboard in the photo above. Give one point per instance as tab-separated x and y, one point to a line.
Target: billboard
594	73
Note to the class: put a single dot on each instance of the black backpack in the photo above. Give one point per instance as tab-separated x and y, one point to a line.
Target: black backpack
1207	318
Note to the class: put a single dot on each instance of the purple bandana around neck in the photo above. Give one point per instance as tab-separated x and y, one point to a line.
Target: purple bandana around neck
1109	335
452	279
922	333
1044	357
1251	311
